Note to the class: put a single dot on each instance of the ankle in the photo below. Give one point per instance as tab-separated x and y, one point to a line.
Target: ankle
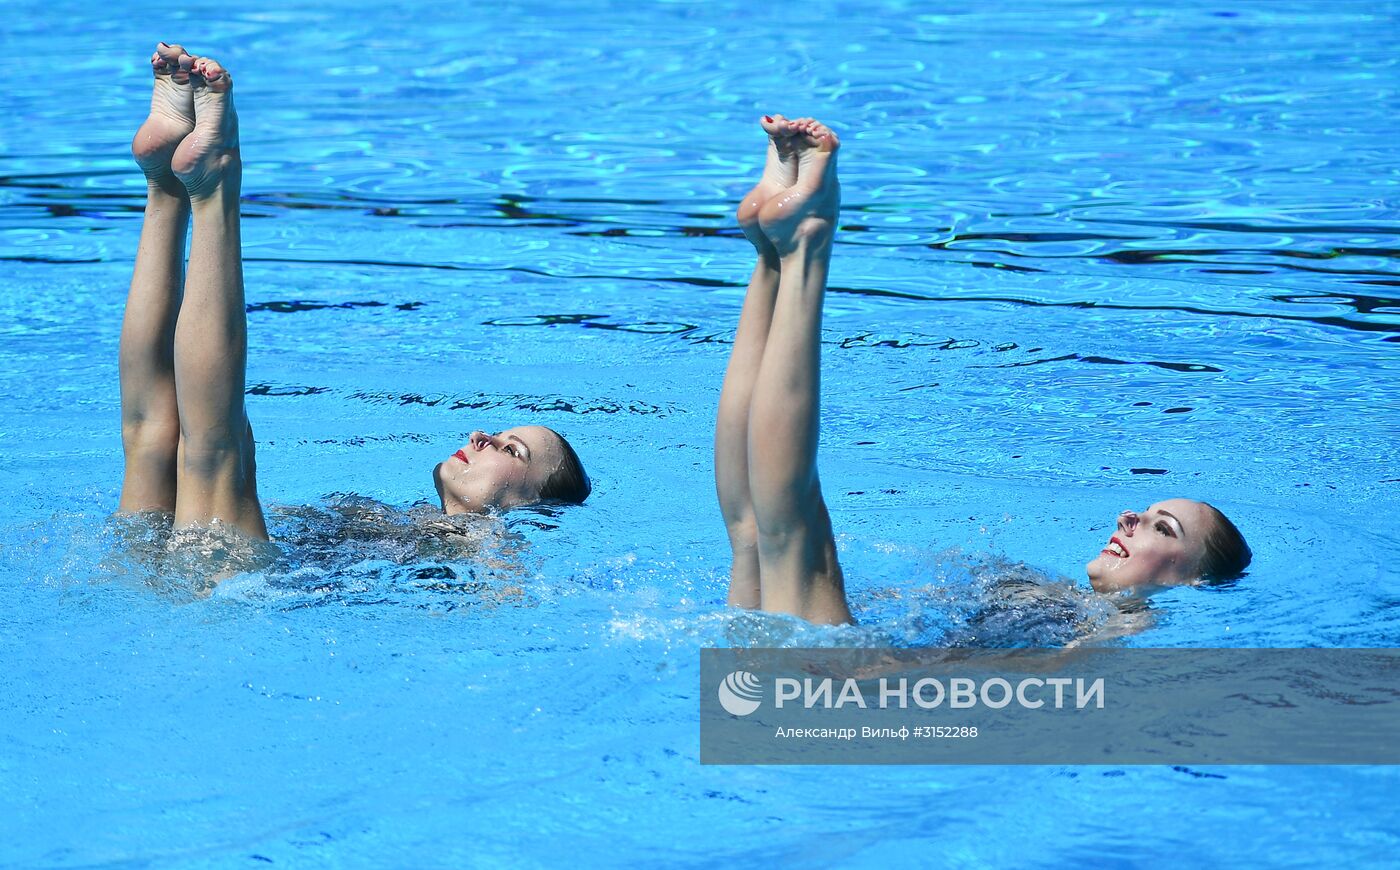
769	259
807	247
219	197
219	185
165	189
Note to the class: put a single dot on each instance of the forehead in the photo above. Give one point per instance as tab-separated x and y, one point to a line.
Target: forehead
541	441
1192	514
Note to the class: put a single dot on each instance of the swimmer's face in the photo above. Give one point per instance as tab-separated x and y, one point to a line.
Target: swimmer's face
1162	546
499	471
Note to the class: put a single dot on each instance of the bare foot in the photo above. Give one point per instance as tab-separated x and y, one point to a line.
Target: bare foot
171	118
805	212
208	157
779	173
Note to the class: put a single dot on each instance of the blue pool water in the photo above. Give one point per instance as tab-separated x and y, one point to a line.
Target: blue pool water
1093	255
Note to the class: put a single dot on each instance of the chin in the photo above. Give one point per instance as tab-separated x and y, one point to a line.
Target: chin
1102	579
1096	579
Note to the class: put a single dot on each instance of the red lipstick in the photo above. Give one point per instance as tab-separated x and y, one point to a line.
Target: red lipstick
1119	541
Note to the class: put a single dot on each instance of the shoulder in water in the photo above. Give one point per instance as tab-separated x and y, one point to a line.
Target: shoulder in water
989	601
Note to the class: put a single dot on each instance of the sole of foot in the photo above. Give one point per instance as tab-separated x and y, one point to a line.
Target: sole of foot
207	159
171	118
806	212
779	173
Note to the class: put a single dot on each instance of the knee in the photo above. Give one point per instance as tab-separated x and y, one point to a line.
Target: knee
150	434
781	521
210	454
206	462
743	531
218	453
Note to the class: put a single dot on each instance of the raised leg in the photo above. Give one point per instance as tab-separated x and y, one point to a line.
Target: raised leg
732	426
150	418
216	470
798	567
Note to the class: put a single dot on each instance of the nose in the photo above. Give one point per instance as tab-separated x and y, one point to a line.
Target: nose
479	440
1127	522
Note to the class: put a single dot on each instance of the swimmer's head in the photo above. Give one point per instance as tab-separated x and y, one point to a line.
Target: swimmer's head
1173	543
521	466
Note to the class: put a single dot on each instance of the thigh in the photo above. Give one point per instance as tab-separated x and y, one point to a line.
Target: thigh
745	589
149	476
216	479
799	572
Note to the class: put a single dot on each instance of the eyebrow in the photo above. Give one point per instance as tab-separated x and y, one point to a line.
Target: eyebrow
516	439
1173	516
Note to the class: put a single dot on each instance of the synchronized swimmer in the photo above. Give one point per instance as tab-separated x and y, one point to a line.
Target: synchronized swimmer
189	448
766	436
183	355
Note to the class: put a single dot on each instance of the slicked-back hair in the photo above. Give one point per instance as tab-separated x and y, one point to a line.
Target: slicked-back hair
1226	553
569	484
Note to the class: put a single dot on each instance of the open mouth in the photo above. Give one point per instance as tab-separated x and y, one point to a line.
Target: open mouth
1115	548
